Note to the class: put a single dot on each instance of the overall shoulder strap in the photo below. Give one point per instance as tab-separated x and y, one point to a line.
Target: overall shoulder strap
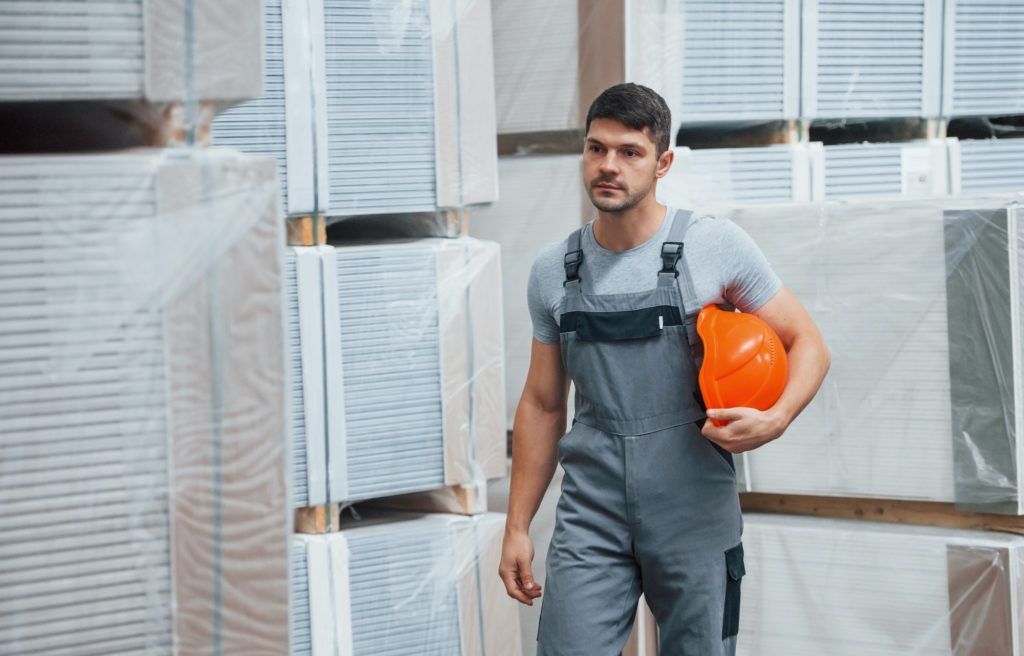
573	257
674	269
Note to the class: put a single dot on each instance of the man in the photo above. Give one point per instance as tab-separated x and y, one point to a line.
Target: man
649	501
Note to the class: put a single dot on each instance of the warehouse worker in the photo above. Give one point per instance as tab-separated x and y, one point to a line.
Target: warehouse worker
649	502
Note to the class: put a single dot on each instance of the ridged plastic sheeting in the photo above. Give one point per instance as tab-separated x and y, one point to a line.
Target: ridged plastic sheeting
301	633
990	165
84	415
258	126
391	367
738	60
863	58
300	463
401	584
727	176
417	612
380	107
862	170
126	523
984	58
67	49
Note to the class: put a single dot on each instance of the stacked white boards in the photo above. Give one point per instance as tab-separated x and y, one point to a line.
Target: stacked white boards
143	497
850	588
397	361
403	584
374	107
171	50
907	411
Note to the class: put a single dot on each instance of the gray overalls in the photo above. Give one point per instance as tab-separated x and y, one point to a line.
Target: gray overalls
648	504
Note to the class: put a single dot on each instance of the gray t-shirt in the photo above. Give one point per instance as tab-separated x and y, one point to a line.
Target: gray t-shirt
725	264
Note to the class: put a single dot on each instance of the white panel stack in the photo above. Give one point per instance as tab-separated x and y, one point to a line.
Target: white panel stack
108	376
919	168
986	165
847	588
380	106
738	176
739	61
128	50
542	202
882	424
863	58
414	78
983	67
536	65
398	379
403	585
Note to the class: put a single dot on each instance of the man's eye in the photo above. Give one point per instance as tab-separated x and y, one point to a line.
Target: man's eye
631	153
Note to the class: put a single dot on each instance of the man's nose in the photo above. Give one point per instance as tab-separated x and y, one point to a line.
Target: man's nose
609	164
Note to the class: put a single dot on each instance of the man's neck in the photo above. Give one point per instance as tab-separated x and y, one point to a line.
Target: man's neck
621	231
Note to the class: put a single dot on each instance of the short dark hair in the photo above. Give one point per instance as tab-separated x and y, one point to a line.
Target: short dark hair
637	107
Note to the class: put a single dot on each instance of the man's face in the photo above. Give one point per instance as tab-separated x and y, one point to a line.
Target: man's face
620	165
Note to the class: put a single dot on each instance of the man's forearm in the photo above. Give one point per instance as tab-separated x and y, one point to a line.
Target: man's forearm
809	361
535	435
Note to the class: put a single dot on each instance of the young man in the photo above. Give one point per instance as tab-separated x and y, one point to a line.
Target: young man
649	502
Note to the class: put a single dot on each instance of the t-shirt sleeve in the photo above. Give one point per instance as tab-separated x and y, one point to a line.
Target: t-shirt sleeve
751	282
545	328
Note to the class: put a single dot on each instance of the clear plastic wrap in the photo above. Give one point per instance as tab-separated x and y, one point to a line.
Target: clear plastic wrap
141	67
401	374
403	584
853	588
143	497
917	302
430	128
543	201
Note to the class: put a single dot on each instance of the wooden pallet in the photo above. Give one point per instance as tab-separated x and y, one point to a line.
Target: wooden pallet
306	230
921	513
453	500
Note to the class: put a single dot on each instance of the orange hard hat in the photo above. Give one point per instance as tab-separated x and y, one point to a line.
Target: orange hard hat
744	361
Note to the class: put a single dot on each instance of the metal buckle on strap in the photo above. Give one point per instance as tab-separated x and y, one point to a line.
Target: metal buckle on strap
572	265
671	252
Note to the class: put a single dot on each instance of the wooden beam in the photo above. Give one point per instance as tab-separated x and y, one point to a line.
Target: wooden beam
920	513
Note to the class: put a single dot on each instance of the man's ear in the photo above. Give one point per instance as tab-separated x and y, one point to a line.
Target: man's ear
664	163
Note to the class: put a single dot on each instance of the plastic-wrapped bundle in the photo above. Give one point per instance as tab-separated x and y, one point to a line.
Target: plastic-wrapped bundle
925	372
769	174
143	500
738	61
918	168
851	588
536	41
432	121
542	202
983	70
401	584
865	59
130	50
400	374
986	165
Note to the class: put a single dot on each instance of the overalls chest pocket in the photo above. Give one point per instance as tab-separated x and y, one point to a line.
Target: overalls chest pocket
633	368
619	326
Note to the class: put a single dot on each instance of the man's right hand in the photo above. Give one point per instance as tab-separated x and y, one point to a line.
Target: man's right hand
515	570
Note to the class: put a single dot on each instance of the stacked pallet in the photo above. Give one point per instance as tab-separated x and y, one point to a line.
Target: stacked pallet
374	108
142	466
401	583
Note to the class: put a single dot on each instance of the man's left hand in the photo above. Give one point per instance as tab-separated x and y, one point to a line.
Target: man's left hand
747	428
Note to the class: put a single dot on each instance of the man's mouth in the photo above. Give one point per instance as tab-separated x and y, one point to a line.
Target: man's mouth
606	185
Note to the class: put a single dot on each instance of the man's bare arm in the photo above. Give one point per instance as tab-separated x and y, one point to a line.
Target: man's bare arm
539	423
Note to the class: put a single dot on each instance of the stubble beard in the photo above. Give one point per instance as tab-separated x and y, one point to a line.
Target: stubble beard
616	205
